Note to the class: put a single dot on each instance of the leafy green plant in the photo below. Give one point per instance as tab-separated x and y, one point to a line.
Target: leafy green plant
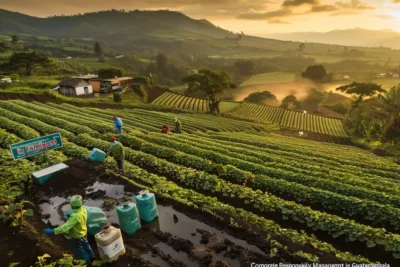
117	97
168	189
15	212
66	261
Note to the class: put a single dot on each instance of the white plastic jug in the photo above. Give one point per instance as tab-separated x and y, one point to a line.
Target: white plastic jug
110	244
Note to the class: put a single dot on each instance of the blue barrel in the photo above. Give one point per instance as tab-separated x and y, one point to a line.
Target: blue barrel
128	216
147	206
96	219
97	155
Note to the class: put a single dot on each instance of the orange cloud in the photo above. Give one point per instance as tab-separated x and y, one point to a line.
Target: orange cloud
288	7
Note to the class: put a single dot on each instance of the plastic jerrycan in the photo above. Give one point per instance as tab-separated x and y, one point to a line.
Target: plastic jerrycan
95	221
147	206
110	244
128	216
97	155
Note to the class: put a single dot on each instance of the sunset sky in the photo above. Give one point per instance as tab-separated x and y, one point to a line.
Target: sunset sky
256	17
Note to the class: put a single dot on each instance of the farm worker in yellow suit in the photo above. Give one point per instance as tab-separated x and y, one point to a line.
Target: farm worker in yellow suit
76	227
117	152
178	126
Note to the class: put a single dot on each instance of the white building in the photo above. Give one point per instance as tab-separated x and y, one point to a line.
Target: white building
6	80
75	87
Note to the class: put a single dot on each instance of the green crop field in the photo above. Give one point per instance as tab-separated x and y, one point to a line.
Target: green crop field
80	64
290	119
270	77
260	113
312	202
190	103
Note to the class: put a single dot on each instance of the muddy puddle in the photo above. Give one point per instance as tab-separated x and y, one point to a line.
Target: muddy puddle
108	196
154	259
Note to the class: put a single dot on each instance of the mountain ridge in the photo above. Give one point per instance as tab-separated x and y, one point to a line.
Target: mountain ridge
348	37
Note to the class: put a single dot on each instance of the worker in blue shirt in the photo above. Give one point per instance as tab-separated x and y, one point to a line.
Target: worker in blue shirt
118	124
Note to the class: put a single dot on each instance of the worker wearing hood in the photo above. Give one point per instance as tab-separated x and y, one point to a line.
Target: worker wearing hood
77	229
117	152
178	126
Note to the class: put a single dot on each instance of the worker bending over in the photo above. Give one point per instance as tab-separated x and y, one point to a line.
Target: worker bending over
117	152
165	129
76	227
117	124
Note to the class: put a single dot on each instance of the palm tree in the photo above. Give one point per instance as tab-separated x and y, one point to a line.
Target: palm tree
390	102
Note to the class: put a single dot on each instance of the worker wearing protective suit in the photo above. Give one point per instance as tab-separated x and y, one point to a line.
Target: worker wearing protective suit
76	227
178	126
118	124
117	152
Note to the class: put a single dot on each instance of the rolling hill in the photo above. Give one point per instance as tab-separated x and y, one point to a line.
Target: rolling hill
350	37
168	31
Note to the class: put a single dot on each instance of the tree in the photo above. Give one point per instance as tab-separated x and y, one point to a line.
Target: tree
360	90
245	68
3	47
391	107
290	101
98	50
302	46
26	61
14	39
211	83
110	73
162	64
152	78
315	73
265	97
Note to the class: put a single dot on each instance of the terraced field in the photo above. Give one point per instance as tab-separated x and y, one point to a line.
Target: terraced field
320	128
291	119
190	103
80	64
309	201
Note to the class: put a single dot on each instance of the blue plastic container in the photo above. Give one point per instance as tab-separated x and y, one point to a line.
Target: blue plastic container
97	155
96	219
41	176
147	206
128	216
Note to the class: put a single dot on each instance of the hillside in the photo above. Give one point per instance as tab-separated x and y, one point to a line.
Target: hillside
350	37
121	30
172	33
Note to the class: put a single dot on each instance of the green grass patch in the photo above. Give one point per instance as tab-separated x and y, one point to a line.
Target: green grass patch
227	106
270	77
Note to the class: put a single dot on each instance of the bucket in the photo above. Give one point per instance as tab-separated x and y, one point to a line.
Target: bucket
110	244
128	216
97	155
147	206
96	219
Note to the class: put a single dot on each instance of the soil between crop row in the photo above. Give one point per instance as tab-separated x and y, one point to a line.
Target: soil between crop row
151	243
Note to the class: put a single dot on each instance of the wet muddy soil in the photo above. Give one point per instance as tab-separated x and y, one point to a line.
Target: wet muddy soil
180	236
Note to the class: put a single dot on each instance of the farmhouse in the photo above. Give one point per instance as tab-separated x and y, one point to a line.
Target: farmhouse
6	80
109	85
74	87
